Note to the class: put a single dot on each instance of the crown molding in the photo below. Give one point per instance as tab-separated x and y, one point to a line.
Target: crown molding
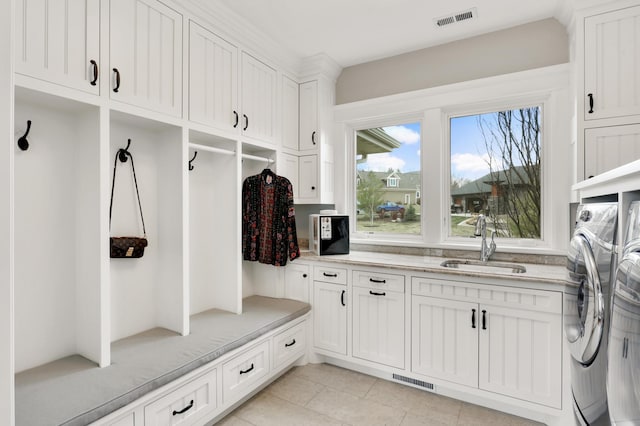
319	64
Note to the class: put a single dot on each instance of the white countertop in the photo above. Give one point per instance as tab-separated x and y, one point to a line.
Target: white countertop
550	274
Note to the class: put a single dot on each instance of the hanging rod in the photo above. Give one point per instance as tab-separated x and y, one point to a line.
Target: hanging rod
211	149
257	158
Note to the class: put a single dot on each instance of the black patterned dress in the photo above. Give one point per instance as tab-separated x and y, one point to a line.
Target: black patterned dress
268	219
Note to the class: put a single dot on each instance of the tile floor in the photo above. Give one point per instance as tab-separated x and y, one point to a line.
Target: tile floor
322	394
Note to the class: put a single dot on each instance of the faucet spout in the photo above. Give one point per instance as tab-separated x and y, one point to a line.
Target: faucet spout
481	231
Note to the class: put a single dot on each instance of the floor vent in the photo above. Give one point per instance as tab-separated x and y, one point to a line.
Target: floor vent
416	382
456	17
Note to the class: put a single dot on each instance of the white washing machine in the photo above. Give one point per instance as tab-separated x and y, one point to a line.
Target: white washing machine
623	372
591	265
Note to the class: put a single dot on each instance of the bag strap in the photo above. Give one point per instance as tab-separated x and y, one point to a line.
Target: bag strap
123	154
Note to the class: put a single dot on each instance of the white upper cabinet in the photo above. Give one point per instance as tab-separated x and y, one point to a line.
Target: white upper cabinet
290	114
258	99
213	80
146	55
308	178
309	115
59	44
612	72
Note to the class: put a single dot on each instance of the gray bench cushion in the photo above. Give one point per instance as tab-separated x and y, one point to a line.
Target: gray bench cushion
74	391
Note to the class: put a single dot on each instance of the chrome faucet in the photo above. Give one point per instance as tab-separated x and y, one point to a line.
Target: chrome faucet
481	231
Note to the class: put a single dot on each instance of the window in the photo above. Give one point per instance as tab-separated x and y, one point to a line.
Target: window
388	174
495	171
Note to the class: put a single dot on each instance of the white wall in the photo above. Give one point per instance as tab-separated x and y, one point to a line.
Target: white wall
534	45
6	216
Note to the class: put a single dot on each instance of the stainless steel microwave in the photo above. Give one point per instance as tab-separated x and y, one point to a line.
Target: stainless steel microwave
329	234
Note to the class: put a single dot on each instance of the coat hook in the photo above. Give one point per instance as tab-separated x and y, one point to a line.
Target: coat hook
190	161
122	153
23	143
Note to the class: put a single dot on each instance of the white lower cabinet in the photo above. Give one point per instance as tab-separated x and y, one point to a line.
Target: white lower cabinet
182	406
289	346
245	372
378	318
444	339
330	316
500	339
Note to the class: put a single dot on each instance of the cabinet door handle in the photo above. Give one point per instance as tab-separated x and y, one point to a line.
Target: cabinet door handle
184	410
313	137
115	89
373	293
373	280
484	319
247	370
329	275
246	122
304	275
590	95
313	188
473	318
625	347
235	113
342	298
286	345
95	72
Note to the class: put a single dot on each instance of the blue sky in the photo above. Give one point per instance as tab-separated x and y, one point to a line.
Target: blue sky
469	158
406	158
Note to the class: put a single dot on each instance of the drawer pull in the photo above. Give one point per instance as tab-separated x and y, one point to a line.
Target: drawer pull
329	275
373	293
286	345
484	319
184	410
247	370
373	280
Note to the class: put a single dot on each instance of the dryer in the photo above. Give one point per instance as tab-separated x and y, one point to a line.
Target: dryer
623	372
591	262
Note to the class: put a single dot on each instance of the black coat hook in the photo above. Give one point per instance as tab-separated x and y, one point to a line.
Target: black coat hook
122	153
195	154
23	143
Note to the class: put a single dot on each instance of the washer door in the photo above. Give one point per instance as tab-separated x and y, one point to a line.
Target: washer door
584	302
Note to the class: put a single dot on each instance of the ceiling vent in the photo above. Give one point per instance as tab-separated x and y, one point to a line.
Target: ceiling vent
456	17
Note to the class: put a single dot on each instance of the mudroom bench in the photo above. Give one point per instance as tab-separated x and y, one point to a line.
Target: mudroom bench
158	375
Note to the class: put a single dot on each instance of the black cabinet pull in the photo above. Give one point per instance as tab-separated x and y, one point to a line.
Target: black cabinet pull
313	188
590	95
484	319
286	345
329	275
342	298
184	410
95	72
304	275
373	293
246	122
473	318
625	347
373	280
115	89
313	137
247	370
235	113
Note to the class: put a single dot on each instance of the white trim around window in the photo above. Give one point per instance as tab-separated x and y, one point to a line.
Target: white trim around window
548	87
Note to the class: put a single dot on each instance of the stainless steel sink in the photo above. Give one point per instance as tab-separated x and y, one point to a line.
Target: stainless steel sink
488	267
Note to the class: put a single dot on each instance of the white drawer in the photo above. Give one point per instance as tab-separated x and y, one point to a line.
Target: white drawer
330	275
289	345
184	404
376	280
245	372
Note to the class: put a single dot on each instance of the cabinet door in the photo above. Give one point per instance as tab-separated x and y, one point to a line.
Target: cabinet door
296	282
289	113
58	44
378	326
258	99
308	177
444	339
612	73
521	354
330	317
606	148
146	55
309	136
213	80
288	167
